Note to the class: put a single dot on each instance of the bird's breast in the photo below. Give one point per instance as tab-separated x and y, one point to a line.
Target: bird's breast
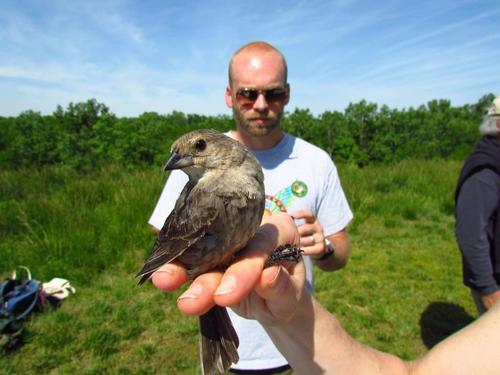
237	221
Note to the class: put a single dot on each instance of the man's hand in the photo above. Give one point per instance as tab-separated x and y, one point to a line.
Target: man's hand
490	299
312	239
269	295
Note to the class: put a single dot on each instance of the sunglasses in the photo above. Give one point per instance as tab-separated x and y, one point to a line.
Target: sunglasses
247	96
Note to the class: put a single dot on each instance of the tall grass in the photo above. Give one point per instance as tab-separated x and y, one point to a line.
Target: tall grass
75	225
405	265
401	291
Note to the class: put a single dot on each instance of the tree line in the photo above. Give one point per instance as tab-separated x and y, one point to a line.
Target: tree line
88	135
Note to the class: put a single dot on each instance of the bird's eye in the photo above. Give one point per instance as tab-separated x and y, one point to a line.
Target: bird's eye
200	144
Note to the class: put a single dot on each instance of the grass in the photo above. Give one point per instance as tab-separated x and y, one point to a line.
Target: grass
401	291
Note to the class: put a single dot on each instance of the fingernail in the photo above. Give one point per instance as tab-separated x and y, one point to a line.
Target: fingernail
227	285
193	292
168	271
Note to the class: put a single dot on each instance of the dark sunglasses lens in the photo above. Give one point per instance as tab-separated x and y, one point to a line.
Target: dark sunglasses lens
251	95
248	94
275	95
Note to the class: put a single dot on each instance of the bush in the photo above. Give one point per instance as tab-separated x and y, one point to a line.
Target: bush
87	135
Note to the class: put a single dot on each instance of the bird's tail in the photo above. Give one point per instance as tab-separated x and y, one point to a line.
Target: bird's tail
218	342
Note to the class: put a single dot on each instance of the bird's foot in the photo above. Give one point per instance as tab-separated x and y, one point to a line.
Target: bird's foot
282	254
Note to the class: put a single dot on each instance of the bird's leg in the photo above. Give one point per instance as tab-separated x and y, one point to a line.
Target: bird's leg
282	254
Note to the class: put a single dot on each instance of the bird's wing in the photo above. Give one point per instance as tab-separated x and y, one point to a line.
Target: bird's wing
193	214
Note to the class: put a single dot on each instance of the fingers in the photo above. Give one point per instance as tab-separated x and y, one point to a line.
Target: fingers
281	288
311	235
312	250
281	229
199	297
234	285
241	277
238	281
310	229
169	277
307	215
312	239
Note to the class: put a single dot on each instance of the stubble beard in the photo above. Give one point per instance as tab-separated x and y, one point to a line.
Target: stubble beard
254	129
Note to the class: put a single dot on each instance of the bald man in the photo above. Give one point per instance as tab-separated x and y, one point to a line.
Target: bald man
300	179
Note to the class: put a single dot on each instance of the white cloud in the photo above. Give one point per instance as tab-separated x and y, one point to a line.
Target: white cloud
163	56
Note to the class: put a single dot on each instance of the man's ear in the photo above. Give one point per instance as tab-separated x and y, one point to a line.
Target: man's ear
228	98
287	93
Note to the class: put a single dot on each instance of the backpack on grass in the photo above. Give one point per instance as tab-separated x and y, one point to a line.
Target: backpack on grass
19	297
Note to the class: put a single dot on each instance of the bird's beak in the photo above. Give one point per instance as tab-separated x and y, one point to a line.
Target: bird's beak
175	161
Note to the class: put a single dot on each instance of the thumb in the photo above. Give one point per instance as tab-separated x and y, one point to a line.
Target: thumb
281	289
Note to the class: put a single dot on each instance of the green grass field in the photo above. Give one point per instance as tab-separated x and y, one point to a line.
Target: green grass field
401	291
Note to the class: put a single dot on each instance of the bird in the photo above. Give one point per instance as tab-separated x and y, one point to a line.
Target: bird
219	209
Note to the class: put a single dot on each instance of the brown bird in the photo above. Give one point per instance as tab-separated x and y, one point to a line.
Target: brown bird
217	212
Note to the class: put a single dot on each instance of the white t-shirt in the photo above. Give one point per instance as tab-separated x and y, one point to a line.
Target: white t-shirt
297	176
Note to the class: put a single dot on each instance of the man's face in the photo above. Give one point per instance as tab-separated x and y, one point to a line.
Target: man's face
258	93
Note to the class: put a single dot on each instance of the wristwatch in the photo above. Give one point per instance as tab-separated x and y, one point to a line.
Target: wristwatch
329	252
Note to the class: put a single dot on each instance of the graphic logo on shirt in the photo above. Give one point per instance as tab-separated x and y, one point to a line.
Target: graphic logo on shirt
283	199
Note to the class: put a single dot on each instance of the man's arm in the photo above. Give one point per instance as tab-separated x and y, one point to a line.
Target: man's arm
476	203
314	342
342	249
328	221
312	339
472	350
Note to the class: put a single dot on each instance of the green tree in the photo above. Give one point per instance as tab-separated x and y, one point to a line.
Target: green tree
79	147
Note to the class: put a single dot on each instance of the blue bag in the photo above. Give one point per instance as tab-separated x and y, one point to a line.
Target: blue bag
18	299
23	299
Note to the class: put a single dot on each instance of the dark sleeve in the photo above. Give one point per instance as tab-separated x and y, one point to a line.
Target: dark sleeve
476	203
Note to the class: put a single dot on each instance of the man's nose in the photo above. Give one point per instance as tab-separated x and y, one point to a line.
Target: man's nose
261	102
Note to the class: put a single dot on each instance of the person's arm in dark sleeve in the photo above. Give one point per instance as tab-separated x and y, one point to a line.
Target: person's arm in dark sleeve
477	201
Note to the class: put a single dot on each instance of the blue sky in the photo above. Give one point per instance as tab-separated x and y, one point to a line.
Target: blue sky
138	56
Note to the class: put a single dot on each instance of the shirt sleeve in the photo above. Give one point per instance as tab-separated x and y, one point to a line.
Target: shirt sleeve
333	210
476	203
168	197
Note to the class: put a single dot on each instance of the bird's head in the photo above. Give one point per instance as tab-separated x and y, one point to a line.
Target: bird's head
202	150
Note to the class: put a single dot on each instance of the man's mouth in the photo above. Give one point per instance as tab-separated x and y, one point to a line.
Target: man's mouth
260	119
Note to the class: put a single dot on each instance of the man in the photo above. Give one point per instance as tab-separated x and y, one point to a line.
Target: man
300	179
307	334
477	226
